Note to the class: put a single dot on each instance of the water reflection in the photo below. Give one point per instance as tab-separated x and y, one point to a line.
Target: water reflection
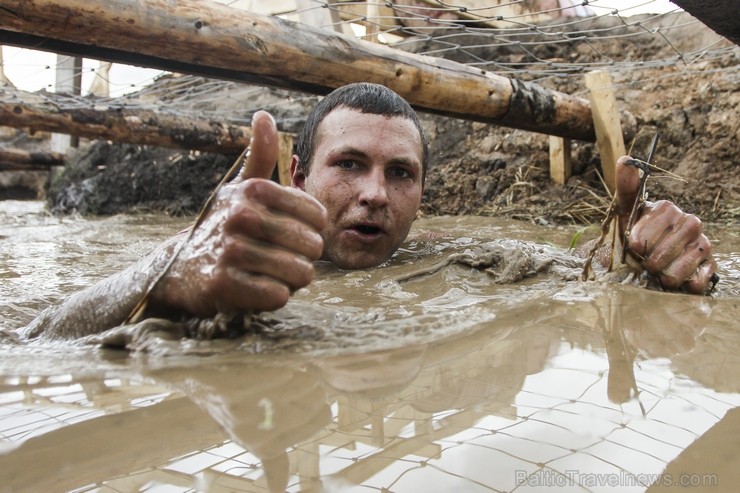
440	383
529	405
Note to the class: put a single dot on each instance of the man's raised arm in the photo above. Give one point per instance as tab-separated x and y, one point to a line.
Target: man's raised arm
255	246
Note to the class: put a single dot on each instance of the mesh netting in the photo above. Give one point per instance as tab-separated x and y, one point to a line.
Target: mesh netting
549	42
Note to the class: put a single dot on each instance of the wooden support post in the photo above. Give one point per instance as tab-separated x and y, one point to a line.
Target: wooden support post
560	163
308	465
606	124
100	85
65	83
373	13
284	157
4	81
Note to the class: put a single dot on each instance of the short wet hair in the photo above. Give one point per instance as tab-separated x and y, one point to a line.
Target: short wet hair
365	97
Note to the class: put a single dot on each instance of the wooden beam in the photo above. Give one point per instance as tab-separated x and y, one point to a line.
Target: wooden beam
206	38
373	15
41	111
606	123
372	30
100	86
560	161
68	78
24	167
22	159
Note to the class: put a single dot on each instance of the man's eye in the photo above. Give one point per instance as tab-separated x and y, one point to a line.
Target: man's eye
400	173
347	164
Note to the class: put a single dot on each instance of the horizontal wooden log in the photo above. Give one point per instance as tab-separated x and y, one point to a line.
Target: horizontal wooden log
23	159
38	111
22	167
207	38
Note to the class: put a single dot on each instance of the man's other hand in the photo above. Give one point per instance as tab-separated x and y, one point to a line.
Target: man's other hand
666	241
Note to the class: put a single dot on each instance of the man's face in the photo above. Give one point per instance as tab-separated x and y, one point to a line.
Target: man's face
367	172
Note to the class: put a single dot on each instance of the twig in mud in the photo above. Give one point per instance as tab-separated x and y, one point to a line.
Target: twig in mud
644	167
603	183
605	227
716	201
597	197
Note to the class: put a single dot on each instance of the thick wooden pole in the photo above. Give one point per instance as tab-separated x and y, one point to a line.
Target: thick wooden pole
130	126
207	38
68	76
22	159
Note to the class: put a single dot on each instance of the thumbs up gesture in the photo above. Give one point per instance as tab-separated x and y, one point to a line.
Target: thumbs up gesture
255	246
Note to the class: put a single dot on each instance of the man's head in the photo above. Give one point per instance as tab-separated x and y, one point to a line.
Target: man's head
363	154
364	97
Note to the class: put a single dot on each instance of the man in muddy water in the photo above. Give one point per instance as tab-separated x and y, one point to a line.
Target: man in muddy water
357	183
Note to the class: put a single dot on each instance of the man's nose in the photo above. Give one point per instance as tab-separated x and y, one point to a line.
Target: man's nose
374	189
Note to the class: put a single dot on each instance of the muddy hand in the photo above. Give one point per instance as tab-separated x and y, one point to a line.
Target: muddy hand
667	242
257	244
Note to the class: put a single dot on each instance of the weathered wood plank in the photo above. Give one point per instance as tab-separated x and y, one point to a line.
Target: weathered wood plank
560	160
606	123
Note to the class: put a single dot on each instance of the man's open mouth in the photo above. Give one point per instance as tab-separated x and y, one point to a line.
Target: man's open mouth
366	229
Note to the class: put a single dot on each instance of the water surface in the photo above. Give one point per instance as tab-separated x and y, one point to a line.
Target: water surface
422	375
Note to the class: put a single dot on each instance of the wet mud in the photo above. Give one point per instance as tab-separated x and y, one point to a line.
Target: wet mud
424	374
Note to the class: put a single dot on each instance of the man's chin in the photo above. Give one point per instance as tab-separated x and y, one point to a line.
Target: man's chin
357	260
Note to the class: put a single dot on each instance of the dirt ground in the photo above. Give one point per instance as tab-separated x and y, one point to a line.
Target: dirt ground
481	169
484	169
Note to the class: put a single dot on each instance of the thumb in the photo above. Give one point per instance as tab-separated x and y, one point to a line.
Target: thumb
263	147
628	178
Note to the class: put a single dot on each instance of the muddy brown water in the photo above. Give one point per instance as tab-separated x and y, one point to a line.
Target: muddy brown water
422	375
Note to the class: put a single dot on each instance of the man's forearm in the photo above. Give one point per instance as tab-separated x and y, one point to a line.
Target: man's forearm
101	306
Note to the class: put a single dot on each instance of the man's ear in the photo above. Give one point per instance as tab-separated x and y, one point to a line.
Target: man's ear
297	176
